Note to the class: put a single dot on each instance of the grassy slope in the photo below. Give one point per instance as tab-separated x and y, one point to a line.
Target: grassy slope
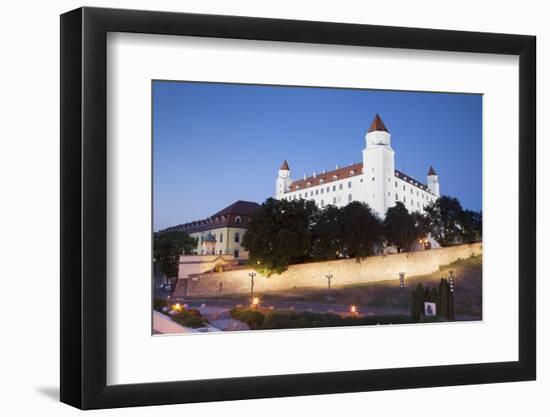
387	294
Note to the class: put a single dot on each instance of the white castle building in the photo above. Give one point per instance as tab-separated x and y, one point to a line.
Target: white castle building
375	181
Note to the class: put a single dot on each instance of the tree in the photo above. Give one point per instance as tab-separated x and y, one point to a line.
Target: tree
280	233
471	223
362	231
168	247
444	217
400	227
327	234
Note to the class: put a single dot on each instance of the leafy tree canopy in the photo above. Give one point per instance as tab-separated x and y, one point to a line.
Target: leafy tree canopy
444	220
168	246
400	227
280	233
362	231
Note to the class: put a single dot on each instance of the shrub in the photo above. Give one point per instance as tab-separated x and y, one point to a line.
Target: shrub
159	303
253	318
190	318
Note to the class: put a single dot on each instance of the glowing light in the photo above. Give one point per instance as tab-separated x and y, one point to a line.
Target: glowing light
255	302
353	309
177	307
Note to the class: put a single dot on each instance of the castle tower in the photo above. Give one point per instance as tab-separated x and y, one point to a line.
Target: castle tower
433	182
378	167
283	180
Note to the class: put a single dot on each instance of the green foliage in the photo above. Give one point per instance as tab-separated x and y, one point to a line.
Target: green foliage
307	319
189	318
253	318
279	233
444	217
327	234
168	246
400	227
362	231
471	222
159	303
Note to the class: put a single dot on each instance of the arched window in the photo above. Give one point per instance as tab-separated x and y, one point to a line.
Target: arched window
334	177
238	219
321	181
308	184
351	173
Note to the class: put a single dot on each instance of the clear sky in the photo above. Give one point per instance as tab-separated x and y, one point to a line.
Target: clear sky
214	144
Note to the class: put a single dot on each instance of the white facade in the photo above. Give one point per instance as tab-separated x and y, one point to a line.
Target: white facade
375	181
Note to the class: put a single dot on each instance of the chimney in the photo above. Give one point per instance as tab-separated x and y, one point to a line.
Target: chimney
314	174
305	176
337	166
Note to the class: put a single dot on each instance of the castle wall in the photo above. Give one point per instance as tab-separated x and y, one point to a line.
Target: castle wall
345	272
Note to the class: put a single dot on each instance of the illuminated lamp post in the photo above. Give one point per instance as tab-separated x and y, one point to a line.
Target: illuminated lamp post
252	275
329	277
401	280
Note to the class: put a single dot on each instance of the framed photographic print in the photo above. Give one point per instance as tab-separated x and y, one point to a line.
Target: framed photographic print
258	207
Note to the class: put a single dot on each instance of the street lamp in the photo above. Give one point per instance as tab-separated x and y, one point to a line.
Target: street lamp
329	277
252	275
255	302
401	280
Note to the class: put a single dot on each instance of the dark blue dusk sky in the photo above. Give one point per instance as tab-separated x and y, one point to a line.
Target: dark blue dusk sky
214	144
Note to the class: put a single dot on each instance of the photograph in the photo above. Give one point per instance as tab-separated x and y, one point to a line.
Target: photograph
289	207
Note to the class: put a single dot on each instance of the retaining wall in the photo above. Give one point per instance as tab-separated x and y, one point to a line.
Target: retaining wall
345	272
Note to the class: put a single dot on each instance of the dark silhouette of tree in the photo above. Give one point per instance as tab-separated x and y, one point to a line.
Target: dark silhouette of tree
362	231
471	223
327	234
168	247
444	217
400	227
280	233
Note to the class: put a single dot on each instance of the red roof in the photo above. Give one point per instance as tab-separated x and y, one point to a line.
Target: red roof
284	166
431	171
377	125
328	176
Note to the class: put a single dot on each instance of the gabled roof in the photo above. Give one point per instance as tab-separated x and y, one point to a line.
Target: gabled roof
431	171
340	173
234	215
239	207
284	166
377	125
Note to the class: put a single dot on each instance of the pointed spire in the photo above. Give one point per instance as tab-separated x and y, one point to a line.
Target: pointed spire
377	125
284	166
431	171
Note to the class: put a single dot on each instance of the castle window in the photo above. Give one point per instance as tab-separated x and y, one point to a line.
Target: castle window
351	173
334	201
322	203
308	184
328	189
220	252
373	178
361	180
403	188
350	197
221	237
411	190
396	197
322	190
217	220
349	184
237	237
321	181
395	184
238	219
316	192
334	177
404	199
334	188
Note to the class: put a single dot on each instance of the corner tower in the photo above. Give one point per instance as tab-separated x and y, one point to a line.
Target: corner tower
378	167
283	180
433	182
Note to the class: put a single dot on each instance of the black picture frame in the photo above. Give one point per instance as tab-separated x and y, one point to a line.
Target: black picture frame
84	207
